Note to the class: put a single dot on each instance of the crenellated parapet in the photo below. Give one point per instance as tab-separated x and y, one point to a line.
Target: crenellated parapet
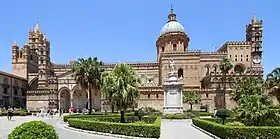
213	53
223	48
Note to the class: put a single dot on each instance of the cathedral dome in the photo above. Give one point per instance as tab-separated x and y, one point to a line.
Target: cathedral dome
172	25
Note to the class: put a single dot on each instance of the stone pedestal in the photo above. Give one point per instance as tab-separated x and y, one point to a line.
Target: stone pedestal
173	93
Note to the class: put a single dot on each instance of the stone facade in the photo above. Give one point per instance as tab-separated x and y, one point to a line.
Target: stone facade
52	85
12	90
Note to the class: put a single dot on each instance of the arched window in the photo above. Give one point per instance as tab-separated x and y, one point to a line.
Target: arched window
180	73
174	47
162	49
215	70
207	71
238	69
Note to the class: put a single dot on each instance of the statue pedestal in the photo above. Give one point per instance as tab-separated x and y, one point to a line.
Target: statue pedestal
173	95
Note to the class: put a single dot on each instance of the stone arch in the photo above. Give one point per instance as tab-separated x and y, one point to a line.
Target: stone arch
79	98
215	68
207	68
180	72
32	85
64	99
239	68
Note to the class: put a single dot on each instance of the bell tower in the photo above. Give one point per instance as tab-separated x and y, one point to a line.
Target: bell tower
254	31
41	46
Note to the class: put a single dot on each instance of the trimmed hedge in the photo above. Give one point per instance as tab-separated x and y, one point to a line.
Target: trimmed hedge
238	132
219	120
175	116
86	116
16	113
33	130
205	114
129	129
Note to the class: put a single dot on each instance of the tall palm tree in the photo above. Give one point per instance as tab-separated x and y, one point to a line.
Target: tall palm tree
191	98
108	88
225	66
126	84
87	73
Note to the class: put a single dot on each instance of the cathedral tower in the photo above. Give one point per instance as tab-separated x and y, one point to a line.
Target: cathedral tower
41	46
172	37
254	32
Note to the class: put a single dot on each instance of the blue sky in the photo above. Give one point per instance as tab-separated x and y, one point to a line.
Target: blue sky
127	30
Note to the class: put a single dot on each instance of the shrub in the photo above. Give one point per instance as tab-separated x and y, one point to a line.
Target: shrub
238	132
205	114
219	120
139	113
33	130
204	107
129	129
223	114
235	124
66	117
175	116
189	115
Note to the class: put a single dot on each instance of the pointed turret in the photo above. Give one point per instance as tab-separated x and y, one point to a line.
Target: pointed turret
15	43
254	19
37	27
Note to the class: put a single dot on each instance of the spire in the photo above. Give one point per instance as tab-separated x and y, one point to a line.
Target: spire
37	28
15	43
172	15
254	19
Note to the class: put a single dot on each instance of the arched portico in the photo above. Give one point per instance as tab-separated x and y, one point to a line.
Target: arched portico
64	99
80	98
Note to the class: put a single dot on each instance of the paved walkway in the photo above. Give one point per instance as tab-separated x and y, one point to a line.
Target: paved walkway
170	129
180	129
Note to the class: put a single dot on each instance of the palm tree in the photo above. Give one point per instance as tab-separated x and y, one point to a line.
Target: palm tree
87	73
191	98
225	66
249	86
273	80
108	88
125	84
257	110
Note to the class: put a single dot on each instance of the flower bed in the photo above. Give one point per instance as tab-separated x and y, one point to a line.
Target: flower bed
237	132
101	124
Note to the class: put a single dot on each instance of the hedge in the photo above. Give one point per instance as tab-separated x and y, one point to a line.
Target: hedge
128	129
86	116
175	116
238	132
205	114
33	130
16	113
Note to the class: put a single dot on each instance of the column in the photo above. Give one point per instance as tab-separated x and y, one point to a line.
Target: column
71	102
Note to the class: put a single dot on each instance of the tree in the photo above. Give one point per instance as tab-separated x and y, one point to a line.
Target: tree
223	113
257	110
225	66
249	86
191	98
124	82
273	80
87	73
108	88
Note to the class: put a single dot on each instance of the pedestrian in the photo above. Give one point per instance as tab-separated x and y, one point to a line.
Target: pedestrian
10	113
60	112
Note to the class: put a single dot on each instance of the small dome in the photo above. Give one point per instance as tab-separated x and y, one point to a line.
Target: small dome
172	26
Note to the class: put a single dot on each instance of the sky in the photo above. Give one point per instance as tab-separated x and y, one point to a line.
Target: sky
126	30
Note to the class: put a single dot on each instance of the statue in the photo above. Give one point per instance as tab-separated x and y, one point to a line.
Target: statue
172	65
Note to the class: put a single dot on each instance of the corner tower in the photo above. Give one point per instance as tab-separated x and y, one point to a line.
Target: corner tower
254	31
172	37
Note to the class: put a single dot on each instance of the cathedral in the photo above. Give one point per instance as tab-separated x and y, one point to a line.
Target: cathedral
52	85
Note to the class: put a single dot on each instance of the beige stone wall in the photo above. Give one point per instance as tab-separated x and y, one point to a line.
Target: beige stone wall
240	54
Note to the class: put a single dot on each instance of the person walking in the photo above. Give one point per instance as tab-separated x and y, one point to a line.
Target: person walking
10	113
